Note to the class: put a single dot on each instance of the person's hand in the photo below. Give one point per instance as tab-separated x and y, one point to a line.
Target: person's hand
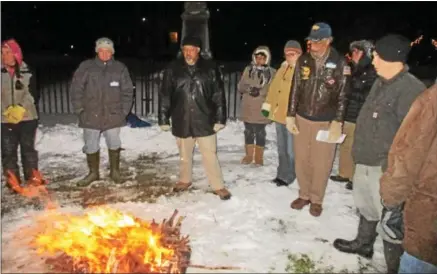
265	110
165	127
14	114
335	130
218	127
291	125
254	92
392	222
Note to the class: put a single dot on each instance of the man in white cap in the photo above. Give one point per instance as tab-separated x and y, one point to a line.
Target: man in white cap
101	95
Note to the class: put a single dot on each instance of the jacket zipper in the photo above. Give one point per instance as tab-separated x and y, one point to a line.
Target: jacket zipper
12	90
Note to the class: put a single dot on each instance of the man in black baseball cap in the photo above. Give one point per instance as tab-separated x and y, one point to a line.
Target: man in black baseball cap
380	117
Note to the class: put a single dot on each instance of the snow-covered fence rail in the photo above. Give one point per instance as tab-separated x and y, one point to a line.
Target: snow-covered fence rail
53	83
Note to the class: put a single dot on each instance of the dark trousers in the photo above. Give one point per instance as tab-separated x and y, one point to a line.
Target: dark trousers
23	135
255	134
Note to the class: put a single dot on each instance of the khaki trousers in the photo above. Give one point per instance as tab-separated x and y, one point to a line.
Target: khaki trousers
313	160
208	149
347	165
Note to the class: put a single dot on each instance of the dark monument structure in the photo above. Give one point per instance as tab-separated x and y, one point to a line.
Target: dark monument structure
195	23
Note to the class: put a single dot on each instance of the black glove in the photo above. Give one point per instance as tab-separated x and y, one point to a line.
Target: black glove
254	92
392	222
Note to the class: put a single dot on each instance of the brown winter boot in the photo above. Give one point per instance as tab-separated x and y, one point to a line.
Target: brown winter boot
248	158
259	155
93	161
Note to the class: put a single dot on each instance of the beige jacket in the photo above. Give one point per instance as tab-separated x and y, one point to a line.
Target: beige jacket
279	93
13	96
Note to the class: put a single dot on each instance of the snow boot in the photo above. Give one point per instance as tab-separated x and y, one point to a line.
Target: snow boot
114	166
363	243
392	254
248	158
259	155
93	161
349	185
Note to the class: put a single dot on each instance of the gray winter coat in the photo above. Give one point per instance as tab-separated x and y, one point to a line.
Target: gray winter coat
101	94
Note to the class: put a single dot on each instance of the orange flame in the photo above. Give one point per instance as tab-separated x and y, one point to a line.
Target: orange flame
417	41
35	188
105	240
434	43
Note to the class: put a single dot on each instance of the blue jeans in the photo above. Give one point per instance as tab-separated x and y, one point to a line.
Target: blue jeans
91	138
410	264
286	170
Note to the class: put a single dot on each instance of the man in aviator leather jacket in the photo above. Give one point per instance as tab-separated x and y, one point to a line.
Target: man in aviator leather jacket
192	95
317	102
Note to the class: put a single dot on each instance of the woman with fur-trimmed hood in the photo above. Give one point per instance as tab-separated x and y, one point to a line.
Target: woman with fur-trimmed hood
254	85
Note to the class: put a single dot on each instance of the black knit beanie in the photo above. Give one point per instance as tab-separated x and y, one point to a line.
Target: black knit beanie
393	48
192	41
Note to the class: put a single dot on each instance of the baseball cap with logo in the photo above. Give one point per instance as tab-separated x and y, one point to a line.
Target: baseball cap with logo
320	31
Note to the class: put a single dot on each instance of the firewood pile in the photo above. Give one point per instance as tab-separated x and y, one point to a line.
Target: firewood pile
136	259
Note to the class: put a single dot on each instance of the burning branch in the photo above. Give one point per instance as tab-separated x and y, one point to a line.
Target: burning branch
417	41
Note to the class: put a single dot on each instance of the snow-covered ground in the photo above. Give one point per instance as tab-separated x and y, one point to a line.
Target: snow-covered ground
256	230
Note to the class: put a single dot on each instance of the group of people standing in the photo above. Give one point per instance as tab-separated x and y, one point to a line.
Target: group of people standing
389	149
389	152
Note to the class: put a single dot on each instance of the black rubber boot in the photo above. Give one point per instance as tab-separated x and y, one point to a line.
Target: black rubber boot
349	185
392	254
93	161
363	243
114	166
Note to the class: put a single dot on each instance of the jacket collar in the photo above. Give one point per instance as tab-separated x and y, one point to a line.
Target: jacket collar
100	63
396	77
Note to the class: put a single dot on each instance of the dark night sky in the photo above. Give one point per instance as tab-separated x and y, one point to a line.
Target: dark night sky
55	26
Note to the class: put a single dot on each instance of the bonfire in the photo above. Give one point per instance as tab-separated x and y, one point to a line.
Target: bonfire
105	240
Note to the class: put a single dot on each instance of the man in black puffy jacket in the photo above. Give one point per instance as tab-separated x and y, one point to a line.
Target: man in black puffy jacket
193	97
363	76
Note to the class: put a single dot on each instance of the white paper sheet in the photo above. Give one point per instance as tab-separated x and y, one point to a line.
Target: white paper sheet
322	136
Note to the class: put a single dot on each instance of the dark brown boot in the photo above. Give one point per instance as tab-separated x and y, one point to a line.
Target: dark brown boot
299	203
114	166
93	161
316	210
259	155
250	152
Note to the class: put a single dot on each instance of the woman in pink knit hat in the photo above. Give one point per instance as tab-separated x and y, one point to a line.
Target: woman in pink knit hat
19	116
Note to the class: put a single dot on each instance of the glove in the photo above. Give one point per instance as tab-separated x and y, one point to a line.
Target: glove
254	92
265	110
14	114
165	127
291	125
392	222
334	131
218	127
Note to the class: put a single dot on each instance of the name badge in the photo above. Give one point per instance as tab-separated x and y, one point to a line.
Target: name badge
114	84
375	115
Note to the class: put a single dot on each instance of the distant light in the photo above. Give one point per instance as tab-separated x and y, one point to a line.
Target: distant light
66	54
144	19
34	6
37	20
245	43
265	25
218	9
72	46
